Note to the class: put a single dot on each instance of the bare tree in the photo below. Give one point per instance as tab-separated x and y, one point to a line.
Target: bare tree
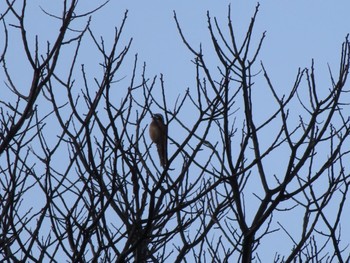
313	147
81	180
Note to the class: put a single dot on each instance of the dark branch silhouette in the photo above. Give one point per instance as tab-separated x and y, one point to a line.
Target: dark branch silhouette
80	181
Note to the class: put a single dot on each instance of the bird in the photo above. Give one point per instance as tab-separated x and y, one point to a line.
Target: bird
158	131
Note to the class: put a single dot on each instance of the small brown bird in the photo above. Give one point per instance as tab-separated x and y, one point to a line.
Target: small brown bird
158	132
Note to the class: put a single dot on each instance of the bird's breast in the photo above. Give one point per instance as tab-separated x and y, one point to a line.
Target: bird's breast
154	133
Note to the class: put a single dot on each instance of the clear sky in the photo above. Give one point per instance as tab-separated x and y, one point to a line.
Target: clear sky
297	31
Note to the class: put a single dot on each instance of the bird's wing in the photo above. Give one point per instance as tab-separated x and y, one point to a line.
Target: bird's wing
162	147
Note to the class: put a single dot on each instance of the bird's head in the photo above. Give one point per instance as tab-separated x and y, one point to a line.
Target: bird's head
158	117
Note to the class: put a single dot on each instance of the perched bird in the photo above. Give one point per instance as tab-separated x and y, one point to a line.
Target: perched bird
158	132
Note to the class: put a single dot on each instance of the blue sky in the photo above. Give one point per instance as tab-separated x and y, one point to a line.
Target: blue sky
297	31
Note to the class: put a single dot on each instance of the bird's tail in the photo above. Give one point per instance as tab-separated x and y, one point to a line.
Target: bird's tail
163	155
